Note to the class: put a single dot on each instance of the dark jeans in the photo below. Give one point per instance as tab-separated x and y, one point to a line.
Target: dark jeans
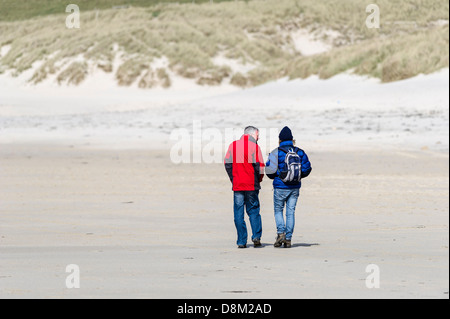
250	200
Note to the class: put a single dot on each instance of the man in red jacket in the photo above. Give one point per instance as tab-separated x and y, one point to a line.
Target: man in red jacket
245	167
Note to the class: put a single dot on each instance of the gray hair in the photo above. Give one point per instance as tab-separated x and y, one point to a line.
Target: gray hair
250	130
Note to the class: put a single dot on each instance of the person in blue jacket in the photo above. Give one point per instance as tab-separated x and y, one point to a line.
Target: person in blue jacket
286	193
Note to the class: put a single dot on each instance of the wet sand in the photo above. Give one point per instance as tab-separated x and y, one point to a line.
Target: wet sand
139	226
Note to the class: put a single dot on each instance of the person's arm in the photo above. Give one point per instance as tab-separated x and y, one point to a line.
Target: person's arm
306	164
272	164
260	160
229	162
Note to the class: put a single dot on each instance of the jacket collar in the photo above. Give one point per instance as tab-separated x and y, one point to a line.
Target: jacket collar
249	137
287	143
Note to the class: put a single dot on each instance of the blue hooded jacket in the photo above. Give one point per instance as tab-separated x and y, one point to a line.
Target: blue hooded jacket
276	163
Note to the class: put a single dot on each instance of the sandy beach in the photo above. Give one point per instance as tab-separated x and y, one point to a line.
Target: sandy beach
88	178
139	226
115	119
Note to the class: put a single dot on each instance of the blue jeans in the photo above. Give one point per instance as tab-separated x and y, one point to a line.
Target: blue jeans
288	197
250	200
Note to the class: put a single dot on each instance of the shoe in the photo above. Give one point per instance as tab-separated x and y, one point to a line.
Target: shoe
242	246
287	243
257	242
281	238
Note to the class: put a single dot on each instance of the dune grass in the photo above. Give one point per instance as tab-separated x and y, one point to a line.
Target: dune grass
390	59
411	40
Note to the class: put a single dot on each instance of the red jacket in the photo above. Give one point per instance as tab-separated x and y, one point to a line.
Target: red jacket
244	164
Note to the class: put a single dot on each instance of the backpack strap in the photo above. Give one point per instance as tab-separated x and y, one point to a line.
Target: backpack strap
286	150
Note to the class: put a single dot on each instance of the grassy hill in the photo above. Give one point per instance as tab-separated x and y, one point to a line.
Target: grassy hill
13	10
188	38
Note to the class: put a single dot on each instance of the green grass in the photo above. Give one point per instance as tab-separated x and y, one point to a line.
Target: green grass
13	10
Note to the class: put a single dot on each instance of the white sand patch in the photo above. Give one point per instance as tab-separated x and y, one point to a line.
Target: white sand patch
307	44
4	50
439	22
162	62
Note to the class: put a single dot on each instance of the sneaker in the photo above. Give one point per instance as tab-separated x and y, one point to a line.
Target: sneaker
281	238
242	246
257	242
287	244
